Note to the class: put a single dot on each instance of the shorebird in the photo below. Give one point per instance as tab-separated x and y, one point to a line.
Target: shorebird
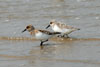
60	27
42	35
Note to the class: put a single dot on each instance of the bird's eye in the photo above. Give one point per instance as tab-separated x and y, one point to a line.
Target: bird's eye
27	27
51	22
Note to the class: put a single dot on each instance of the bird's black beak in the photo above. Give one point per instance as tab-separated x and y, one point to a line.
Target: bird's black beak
24	30
48	26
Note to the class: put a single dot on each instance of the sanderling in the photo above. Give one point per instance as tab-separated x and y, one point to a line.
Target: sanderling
42	35
60	27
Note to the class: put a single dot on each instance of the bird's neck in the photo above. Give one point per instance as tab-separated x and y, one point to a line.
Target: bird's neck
33	32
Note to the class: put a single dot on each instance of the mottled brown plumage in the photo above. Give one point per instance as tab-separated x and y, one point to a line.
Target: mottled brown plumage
43	35
60	27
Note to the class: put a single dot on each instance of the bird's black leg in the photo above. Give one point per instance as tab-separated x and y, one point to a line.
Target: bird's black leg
59	36
63	35
46	40
67	36
43	42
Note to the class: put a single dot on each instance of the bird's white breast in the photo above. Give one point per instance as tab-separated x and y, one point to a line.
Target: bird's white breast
43	36
56	28
62	30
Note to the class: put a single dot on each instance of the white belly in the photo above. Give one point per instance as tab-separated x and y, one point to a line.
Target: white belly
42	36
67	31
63	30
56	29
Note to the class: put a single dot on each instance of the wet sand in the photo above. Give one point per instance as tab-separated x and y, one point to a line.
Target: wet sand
68	51
18	49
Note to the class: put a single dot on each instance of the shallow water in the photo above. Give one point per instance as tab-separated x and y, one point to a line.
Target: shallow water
21	50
